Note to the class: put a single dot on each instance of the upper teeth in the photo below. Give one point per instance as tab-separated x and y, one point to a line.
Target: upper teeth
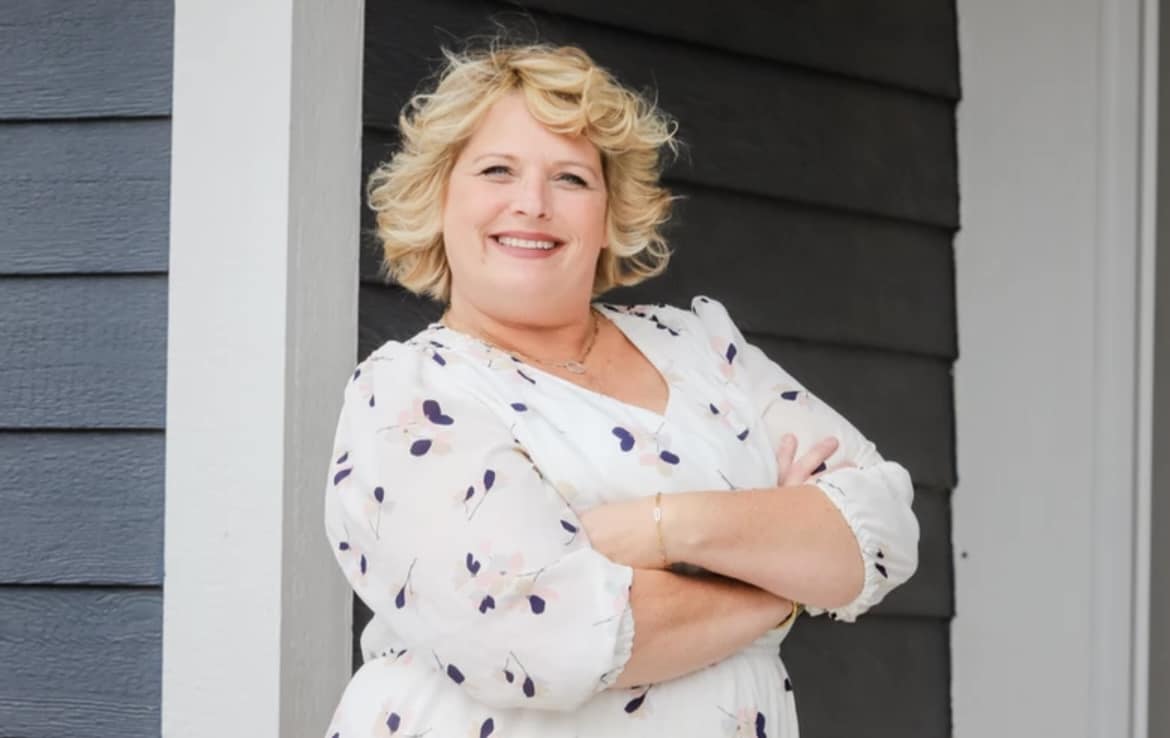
524	243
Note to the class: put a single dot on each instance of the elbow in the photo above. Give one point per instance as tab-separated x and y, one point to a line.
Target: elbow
876	504
883	571
848	585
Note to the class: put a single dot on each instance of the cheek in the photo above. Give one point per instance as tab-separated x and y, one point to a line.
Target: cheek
468	210
588	216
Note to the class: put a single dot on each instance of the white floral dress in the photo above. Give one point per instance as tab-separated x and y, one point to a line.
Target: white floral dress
451	505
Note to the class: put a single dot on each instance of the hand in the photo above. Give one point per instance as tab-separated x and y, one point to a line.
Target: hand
624	532
793	472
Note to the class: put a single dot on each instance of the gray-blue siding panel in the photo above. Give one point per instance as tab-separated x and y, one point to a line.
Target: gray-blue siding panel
84	180
910	43
880	676
752	125
84	196
82	663
83	352
823	275
85	58
82	507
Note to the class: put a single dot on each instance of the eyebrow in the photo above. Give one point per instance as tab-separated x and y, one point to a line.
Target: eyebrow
559	163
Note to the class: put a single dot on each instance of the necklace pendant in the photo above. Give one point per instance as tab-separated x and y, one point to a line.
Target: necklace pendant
575	367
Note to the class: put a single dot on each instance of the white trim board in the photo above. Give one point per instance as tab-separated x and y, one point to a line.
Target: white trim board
1047	383
266	134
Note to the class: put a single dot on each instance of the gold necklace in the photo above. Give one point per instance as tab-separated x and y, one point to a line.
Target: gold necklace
574	366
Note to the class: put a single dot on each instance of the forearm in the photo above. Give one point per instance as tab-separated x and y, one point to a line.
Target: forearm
791	541
715	617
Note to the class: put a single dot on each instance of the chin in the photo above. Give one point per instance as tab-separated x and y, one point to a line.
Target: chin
524	302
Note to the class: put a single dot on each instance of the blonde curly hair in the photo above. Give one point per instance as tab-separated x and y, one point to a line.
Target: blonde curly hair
568	93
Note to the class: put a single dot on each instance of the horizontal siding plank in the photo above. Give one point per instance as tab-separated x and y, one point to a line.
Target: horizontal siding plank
85	58
83	352
390	314
849	678
808	138
824	275
85	196
904	403
812	274
82	508
928	593
910	44
80	662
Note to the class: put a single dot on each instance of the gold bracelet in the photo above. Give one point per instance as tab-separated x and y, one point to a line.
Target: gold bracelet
658	528
796	608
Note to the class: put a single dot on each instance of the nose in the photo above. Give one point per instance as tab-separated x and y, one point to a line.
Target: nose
532	198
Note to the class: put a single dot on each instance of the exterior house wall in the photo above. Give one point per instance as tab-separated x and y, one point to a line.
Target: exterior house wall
822	211
84	141
821	201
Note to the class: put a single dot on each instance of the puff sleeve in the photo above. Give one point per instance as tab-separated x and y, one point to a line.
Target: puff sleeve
448	531
874	498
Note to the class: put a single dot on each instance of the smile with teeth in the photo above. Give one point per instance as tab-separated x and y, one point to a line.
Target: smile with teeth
524	243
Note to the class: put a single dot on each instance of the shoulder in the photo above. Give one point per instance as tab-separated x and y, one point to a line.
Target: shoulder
408	373
704	316
710	312
710	331
411	395
408	362
706	322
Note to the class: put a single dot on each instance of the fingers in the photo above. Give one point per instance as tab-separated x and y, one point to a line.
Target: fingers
785	452
812	463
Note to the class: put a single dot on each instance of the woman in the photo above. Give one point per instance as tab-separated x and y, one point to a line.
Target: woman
515	489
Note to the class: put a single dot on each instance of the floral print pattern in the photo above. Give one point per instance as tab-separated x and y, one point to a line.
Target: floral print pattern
492	613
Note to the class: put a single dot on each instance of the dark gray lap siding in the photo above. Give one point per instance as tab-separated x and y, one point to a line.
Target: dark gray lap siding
821	201
85	138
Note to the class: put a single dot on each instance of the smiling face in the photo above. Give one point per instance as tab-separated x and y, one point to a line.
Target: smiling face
523	219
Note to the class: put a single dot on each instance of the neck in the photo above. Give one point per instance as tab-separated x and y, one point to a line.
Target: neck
564	338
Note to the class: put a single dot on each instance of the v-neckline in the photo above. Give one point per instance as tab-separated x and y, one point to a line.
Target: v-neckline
615	316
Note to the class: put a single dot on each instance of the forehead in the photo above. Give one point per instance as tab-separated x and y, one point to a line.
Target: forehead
509	128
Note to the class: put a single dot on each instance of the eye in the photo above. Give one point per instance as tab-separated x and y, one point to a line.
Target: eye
573	179
496	169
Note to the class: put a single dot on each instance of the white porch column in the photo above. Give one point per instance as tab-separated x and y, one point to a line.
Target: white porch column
266	137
